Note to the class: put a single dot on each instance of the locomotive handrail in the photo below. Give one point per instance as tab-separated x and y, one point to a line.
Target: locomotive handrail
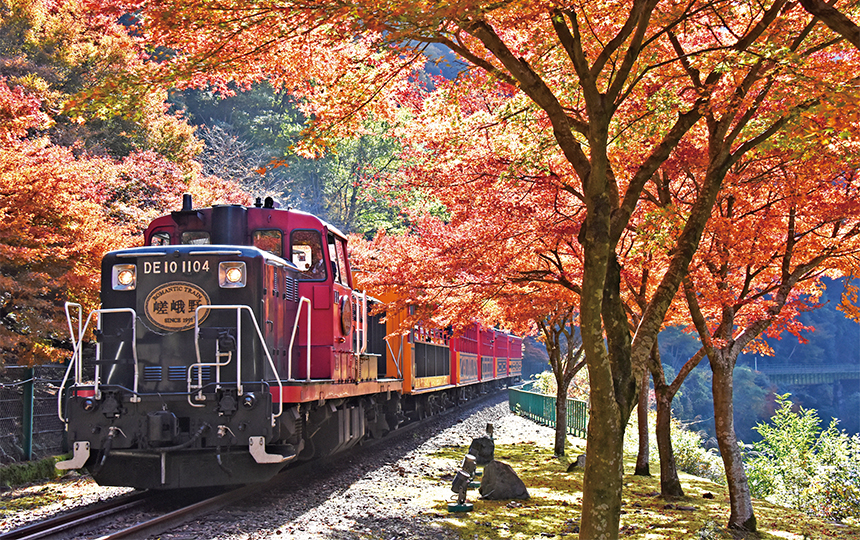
199	386
73	363
302	301
77	362
78	372
239	308
361	335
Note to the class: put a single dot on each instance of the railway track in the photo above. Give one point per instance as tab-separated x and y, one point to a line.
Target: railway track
66	524
159	514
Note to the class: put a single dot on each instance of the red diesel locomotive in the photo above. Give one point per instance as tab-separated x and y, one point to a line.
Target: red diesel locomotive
233	343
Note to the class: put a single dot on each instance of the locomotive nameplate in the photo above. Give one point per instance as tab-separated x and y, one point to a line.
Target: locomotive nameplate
171	306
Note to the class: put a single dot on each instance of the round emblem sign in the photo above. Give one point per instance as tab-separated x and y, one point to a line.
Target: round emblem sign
171	306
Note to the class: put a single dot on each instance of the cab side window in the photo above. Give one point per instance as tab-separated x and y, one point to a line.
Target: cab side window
337	252
332	256
270	240
307	254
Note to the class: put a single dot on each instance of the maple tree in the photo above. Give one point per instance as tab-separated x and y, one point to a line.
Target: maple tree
785	218
775	237
51	236
60	214
77	177
606	91
557	324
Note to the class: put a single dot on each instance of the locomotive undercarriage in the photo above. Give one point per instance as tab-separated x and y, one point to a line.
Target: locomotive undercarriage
165	442
168	441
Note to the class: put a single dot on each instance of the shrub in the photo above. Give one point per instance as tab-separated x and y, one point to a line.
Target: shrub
800	466
690	455
692	458
544	383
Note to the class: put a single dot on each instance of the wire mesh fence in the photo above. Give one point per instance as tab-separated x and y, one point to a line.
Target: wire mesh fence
47	429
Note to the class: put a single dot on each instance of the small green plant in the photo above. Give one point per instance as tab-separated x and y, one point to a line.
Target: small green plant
691	457
800	466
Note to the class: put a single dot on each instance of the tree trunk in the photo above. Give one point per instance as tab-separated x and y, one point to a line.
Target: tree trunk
604	468
560	421
742	516
643	457
612	399
670	484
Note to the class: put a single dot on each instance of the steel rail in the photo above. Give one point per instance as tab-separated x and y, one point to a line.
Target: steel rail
60	526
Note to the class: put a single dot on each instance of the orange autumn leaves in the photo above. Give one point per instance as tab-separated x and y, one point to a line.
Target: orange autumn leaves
77	177
59	213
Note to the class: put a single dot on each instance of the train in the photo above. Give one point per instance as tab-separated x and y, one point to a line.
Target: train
233	343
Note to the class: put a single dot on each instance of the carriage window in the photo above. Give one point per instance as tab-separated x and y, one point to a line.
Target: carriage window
161	238
307	254
196	237
269	241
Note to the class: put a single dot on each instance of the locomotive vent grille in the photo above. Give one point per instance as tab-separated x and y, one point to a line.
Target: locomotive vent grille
291	289
178	373
152	373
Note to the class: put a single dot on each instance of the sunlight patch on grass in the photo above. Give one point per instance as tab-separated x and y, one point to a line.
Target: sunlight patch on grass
553	511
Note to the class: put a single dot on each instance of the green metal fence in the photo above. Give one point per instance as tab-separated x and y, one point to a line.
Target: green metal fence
540	408
29	425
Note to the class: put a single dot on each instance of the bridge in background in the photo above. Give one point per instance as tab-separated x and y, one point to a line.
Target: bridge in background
800	374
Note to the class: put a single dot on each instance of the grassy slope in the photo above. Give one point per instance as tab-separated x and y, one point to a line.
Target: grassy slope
553	510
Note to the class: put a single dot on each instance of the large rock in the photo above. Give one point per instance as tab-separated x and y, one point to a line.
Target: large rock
501	482
483	448
579	463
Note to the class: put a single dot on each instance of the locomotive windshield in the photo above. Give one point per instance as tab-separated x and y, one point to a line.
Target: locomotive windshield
160	238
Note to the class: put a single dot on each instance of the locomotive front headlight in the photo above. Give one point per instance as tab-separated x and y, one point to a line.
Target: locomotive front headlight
124	277
232	275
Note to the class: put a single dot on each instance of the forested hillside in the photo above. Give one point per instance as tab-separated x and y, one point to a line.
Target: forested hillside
85	162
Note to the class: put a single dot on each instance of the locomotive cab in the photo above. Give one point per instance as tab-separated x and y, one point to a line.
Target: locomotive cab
317	250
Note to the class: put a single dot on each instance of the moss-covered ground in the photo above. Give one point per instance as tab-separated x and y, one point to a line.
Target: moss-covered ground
33	497
553	511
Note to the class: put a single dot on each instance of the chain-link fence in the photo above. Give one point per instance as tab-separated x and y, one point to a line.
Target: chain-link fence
47	433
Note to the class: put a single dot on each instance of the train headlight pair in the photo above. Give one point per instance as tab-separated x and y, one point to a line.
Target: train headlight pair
232	275
124	277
